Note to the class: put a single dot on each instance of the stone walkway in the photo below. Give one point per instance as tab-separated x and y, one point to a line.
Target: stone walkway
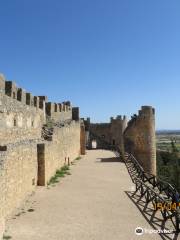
89	204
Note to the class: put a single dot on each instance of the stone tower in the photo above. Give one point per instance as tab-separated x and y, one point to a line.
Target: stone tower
139	138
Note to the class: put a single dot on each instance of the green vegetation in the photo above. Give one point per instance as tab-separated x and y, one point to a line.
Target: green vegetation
78	158
168	163
59	174
164	139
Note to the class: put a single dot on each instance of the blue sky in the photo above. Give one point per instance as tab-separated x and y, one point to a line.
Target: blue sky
109	57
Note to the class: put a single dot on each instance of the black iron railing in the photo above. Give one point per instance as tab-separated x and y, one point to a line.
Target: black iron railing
154	190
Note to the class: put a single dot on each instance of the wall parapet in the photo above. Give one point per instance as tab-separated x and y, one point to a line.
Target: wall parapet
10	89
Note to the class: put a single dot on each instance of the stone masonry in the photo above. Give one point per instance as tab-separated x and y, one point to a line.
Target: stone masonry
137	137
36	138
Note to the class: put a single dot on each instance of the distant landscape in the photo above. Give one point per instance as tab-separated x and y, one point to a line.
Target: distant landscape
168	156
165	137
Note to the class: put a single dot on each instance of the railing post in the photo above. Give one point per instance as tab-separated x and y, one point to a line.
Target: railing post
177	217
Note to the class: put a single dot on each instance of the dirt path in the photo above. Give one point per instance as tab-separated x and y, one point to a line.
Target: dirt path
89	204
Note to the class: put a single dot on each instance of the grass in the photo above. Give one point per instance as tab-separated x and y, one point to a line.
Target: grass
60	173
76	159
167	146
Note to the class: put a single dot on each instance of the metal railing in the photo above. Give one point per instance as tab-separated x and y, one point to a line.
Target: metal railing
154	190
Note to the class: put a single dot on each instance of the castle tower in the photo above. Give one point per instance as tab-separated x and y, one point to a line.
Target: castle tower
147	124
140	139
117	127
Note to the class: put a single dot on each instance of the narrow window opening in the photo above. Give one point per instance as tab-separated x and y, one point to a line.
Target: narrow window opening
15	123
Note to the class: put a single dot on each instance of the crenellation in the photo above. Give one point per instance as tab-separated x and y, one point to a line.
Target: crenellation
37	136
24	125
68	103
11	89
60	107
29	99
75	113
119	117
136	136
107	133
49	108
36	102
2	83
21	95
42	101
56	108
54	111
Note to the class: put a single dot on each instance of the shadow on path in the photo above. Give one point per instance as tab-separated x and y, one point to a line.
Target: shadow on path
109	160
156	222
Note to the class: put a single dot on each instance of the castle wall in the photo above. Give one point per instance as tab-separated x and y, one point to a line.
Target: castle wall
19	164
102	130
21	116
27	158
139	138
65	144
19	121
59	112
118	126
18	174
112	132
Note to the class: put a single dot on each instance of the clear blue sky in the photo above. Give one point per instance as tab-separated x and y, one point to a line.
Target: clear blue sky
108	57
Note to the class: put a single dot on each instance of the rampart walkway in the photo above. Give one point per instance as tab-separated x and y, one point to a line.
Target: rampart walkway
91	203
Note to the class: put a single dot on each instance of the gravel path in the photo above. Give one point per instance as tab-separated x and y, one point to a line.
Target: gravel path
89	204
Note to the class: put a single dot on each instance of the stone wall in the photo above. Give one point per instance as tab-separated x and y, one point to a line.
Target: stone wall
112	132
102	130
139	138
19	121
27	158
59	112
65	144
18	174
19	169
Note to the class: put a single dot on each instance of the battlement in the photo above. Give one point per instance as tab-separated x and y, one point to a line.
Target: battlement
119	118
27	157
10	89
56	111
2	83
23	115
52	108
111	132
59	112
145	112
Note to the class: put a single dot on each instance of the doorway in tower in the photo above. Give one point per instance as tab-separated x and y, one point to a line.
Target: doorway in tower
94	144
